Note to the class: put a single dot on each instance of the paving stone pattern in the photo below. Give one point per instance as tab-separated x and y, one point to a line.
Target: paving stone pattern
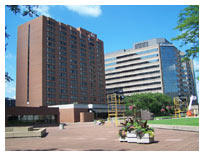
91	137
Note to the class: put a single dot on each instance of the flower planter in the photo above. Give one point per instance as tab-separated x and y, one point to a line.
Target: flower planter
123	139
131	134
136	139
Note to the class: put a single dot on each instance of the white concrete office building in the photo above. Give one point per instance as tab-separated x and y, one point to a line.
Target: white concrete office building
150	66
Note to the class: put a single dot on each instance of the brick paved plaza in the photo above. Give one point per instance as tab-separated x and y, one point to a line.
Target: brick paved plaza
91	137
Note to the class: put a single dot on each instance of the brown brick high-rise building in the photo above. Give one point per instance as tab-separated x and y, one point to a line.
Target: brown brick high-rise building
58	64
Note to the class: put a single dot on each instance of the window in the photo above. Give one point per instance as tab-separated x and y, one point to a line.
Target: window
50	56
73	46
62	43
83	69
49	72
73	66
62	58
49	28
62	69
73	32
73	71
84	98
73	37
50	102
73	82
63	80
50	84
92	48
82	54
73	42
84	88
62	85
63	91
63	96
73	61
51	23
73	51
50	50
51	61
51	95
74	87
82	36
50	66
62	38
92	57
62	28
51	39
62	48
62	33
51	90
49	33
83	45
91	44
74	92
83	64
62	64
62	53
73	56
83	83
62	74
83	73
82	59
74	97
83	78
83	41
73	76
52	78
50	44
82	50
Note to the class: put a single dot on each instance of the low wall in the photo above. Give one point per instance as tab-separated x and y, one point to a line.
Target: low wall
86	117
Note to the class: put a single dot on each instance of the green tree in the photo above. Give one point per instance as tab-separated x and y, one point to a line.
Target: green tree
188	25
24	10
154	102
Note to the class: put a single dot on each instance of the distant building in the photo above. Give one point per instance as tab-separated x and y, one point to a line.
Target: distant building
150	66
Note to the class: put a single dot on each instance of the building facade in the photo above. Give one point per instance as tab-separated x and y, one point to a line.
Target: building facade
150	66
58	64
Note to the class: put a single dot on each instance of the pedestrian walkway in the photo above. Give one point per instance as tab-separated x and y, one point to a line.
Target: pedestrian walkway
176	127
91	137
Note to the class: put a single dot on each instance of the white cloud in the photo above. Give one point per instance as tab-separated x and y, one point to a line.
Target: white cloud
43	10
9	55
86	10
10	88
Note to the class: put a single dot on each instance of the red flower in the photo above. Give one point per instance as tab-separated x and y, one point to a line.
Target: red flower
130	107
162	110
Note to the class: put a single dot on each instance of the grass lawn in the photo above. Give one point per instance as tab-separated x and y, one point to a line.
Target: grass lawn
181	121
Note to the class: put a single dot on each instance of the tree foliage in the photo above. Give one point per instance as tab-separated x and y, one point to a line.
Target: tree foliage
188	25
24	10
157	103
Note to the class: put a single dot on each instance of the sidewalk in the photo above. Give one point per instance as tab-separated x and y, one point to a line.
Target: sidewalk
91	137
176	127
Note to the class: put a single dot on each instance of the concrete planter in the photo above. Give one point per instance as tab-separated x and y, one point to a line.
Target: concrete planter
123	139
136	139
131	134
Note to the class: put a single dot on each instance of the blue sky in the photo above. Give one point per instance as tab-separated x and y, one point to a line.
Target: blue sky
118	26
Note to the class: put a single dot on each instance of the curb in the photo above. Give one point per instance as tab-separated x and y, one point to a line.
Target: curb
176	127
